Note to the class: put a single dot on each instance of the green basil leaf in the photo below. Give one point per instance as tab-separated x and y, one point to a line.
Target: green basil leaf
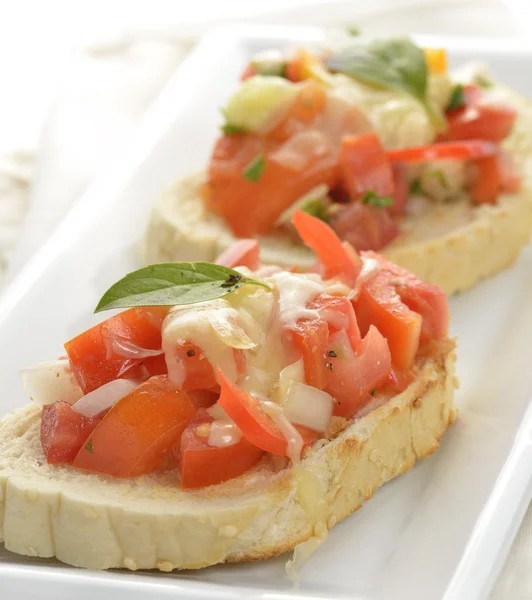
253	172
168	284
396	64
353	30
229	129
457	99
483	82
373	199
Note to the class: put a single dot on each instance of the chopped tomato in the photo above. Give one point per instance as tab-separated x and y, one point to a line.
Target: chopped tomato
310	338
401	190
252	207
64	431
256	425
445	150
338	313
487	181
243	253
364	166
138	431
389	300
510	178
351	378
480	122
364	227
106	351
335	260
201	465
203	398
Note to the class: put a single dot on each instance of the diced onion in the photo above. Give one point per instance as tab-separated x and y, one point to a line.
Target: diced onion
104	397
50	382
116	344
291	373
217	412
300	149
229	331
308	406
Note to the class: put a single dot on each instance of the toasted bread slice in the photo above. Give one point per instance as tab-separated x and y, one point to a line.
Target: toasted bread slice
149	523
453	245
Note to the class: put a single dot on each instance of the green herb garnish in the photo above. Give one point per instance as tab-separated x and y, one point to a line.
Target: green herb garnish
89	447
170	284
415	187
317	208
373	391
373	199
253	172
396	64
439	175
457	99
229	129
270	68
483	82
353	30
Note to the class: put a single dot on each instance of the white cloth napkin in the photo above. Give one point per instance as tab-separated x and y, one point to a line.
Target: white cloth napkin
106	87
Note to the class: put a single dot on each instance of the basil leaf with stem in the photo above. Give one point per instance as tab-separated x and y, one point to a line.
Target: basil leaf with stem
170	284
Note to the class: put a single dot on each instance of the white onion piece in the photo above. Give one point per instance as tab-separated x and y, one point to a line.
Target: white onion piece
227	329
224	433
117	344
50	382
308	406
104	397
291	373
217	412
300	149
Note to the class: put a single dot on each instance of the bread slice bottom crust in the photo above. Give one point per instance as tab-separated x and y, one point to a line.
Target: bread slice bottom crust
149	523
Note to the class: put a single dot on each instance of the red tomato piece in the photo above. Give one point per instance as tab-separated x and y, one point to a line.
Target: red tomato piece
400	380
350	379
251	207
364	227
463	150
334	258
256	426
64	431
481	122
487	182
365	166
201	465
339	314
390	301
104	352
310	339
134	436
510	178
242	253
401	190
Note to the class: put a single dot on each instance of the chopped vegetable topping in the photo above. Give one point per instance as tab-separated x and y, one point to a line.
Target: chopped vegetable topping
229	129
253	172
415	187
457	99
316	208
373	199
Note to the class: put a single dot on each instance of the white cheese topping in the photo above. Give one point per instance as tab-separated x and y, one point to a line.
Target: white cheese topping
295	292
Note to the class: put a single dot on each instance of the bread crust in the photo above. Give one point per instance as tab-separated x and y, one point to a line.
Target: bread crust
453	245
149	523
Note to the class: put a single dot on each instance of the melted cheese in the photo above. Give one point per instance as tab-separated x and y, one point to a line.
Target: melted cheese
370	267
295	292
224	433
293	438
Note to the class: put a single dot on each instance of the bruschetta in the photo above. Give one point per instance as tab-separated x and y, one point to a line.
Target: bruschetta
382	142
231	412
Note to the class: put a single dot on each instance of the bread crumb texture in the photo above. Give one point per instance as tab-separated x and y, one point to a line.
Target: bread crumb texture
149	523
453	245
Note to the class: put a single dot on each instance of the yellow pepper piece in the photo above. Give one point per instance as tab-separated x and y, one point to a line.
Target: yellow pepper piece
436	60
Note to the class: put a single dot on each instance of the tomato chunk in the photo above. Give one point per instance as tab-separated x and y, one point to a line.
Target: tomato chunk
107	351
401	190
138	431
351	378
462	150
481	121
256	425
364	227
335	260
365	166
243	253
201	465
405	310
310	339
252	206
64	431
338	313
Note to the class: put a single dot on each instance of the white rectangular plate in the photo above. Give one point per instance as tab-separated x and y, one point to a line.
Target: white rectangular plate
440	531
